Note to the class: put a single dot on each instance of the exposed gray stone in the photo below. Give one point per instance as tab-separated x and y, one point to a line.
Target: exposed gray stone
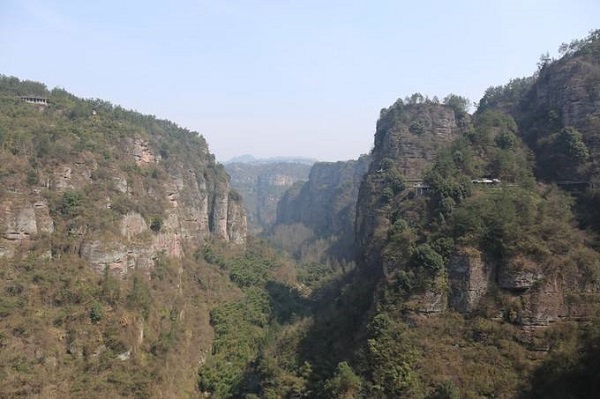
469	277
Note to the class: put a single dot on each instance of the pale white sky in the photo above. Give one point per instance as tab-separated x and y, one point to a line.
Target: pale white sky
277	77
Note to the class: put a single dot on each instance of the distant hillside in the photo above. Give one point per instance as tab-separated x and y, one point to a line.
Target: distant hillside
262	184
249	159
315	219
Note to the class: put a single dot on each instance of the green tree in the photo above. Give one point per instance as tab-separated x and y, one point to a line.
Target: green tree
506	140
344	384
96	313
71	202
459	104
428	258
390	358
571	143
156	224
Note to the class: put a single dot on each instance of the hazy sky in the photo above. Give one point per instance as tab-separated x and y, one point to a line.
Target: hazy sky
281	77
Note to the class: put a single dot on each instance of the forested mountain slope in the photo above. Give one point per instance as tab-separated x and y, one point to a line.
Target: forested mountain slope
558	113
474	276
101	213
477	236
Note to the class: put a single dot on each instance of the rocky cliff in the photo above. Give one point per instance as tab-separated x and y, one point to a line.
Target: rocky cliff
558	112
114	186
262	184
407	139
460	253
427	218
104	214
322	209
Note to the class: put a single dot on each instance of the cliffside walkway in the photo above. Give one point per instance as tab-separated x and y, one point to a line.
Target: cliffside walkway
35	100
420	186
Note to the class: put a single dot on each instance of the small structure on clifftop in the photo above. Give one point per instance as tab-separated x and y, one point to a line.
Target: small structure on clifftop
35	100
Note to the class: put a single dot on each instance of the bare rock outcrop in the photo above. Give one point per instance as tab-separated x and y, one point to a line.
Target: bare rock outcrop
125	217
407	137
470	277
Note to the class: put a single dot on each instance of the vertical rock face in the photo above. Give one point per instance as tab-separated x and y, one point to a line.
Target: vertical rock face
147	189
262	185
411	135
566	93
325	205
141	153
21	224
407	137
219	213
21	220
469	278
519	275
327	201
568	87
236	221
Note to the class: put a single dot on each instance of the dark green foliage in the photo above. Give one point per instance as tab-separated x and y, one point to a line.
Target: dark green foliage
70	204
164	150
344	384
417	128
563	155
510	221
249	271
569	373
387	194
390	359
505	98
156	224
245	328
570	141
211	256
234	196
391	179
459	104
239	328
96	313
506	140
312	274
428	258
13	86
